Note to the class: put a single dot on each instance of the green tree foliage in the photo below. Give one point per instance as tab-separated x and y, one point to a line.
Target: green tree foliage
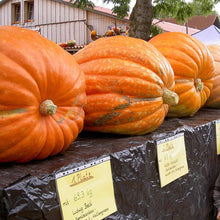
121	7
182	10
155	30
83	4
204	7
178	9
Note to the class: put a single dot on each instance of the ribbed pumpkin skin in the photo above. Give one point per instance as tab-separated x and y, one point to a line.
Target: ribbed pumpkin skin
190	60
214	98
125	78
34	69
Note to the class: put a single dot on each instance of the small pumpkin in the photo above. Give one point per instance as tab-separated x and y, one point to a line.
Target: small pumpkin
93	33
214	98
110	33
193	67
63	44
71	43
41	102
128	85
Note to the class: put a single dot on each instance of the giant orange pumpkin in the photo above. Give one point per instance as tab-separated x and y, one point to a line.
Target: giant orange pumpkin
193	68
42	96
214	98
128	85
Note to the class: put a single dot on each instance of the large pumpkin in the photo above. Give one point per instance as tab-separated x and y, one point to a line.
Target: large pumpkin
214	98
42	96
128	85
193	68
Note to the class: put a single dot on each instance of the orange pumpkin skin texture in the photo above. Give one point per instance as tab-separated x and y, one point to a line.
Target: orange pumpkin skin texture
125	83
214	98
193	67
42	96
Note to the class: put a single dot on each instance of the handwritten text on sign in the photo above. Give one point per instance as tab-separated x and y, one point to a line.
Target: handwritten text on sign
172	160
217	126
87	192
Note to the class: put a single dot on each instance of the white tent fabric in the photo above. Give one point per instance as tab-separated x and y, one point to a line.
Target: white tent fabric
210	35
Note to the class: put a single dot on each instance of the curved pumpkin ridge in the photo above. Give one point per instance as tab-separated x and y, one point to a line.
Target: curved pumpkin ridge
214	98
38	146
46	80
142	53
188	98
121	72
187	42
187	93
62	128
71	96
183	85
21	97
41	81
208	68
73	118
123	113
214	50
70	89
146	125
54	138
122	68
165	43
185	70
15	120
74	114
114	101
61	124
182	40
205	93
23	151
122	85
19	55
8	78
67	129
192	50
216	86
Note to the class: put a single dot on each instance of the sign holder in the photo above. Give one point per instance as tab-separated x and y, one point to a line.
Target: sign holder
172	161
86	192
217	129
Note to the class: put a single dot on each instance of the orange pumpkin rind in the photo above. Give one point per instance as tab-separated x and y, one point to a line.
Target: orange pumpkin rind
126	82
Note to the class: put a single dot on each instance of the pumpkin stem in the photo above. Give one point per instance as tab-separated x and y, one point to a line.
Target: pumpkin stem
199	84
170	97
47	107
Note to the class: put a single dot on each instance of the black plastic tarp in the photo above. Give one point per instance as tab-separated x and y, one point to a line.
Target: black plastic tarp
28	191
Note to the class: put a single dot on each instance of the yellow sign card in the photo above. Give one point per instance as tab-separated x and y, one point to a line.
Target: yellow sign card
217	126
86	192
172	160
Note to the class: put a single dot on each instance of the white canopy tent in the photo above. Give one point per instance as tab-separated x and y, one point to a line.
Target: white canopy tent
210	35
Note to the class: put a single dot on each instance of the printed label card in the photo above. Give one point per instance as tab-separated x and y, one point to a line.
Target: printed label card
87	192
217	128
172	161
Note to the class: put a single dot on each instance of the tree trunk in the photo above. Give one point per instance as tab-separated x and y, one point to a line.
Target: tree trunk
141	19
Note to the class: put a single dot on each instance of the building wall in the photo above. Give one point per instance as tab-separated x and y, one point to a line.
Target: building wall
5	13
101	23
59	21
